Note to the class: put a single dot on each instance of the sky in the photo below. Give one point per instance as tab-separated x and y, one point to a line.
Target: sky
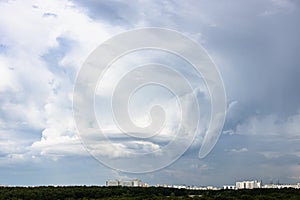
255	45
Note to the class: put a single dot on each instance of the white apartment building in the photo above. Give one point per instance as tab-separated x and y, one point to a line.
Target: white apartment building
126	183
281	186
229	187
137	183
248	184
112	183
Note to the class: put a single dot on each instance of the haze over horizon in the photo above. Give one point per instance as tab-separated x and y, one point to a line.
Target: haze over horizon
255	45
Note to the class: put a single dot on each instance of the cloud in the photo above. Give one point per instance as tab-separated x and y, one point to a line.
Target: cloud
43	44
49	15
271	126
238	150
278	7
258	61
283	3
59	48
37	94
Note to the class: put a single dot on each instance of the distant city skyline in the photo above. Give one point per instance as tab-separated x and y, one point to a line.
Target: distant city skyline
245	184
255	46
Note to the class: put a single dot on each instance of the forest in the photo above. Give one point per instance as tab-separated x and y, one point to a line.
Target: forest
138	193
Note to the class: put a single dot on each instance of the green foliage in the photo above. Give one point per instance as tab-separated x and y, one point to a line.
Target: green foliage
135	193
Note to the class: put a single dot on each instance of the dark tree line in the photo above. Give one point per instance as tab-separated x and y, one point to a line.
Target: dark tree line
124	193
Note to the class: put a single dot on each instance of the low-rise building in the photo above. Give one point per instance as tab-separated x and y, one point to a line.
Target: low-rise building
229	187
281	186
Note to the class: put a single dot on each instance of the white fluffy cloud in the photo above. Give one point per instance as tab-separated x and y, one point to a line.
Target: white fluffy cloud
36	94
33	95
